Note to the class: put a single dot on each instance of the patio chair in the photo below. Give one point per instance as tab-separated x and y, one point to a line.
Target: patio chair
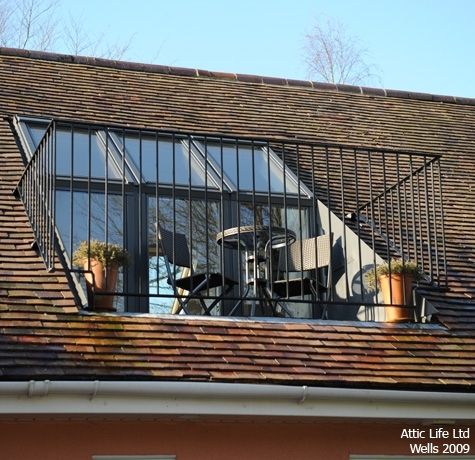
308	255
174	249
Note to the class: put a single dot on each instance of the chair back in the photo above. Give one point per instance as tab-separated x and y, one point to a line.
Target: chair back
174	247
307	254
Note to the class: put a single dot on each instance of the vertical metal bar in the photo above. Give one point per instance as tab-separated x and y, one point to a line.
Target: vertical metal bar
343	213
269	204
47	253
157	209
190	214
71	195
360	261
286	225
41	200
125	279
406	221
413	205
141	215
37	195
299	210
106	198
419	214
174	206
53	191
41	203
373	240
238	198
401	245
434	219
327	167
388	249
223	263
207	232
442	220
44	220
89	197
254	211
429	233
314	223
34	196
391	218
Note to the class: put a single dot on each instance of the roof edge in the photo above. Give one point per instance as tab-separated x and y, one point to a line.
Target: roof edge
245	78
238	399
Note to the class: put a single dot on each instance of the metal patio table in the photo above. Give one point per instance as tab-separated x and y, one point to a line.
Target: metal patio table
256	242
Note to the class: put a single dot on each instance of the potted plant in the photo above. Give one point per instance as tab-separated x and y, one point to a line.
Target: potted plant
101	263
395	280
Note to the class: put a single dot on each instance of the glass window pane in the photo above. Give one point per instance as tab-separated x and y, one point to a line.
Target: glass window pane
204	226
73	232
174	160
36	130
88	151
82	215
256	167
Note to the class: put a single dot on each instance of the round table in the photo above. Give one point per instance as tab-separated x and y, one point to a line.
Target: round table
256	241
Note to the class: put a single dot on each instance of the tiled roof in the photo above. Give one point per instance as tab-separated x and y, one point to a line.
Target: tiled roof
66	346
24	282
43	336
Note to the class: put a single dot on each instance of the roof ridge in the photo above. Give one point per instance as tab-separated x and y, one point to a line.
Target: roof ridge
246	78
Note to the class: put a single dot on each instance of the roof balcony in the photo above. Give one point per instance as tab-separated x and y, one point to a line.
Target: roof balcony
223	225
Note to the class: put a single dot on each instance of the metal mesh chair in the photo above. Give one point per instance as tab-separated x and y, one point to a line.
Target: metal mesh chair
308	255
174	248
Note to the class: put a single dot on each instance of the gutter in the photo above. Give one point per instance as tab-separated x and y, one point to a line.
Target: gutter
235	399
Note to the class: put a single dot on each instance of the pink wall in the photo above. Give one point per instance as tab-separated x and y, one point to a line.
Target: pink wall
205	439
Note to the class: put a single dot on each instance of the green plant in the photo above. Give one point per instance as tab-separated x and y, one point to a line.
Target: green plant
394	267
108	254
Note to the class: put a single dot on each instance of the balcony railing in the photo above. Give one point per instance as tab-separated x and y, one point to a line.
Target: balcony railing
245	208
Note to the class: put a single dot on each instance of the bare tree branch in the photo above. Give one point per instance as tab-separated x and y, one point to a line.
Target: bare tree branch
33	24
75	38
334	57
5	15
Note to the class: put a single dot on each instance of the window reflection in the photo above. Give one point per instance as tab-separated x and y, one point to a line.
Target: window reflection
250	168
88	152
199	221
176	161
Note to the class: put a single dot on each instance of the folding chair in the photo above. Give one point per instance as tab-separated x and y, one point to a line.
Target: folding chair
174	248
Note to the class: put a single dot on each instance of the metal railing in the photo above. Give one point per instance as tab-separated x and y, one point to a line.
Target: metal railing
243	206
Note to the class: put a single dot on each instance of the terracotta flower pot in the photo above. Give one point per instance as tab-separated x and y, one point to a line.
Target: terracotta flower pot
399	294
97	282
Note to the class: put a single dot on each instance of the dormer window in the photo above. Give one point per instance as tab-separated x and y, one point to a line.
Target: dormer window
238	206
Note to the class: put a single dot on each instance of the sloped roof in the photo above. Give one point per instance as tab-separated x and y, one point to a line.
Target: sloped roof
67	346
43	336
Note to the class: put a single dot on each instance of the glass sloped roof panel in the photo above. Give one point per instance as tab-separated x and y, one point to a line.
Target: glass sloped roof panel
177	163
86	150
250	168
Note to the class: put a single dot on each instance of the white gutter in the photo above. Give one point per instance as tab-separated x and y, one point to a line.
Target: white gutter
193	398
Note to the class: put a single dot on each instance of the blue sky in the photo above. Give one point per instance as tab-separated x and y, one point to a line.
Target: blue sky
416	45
